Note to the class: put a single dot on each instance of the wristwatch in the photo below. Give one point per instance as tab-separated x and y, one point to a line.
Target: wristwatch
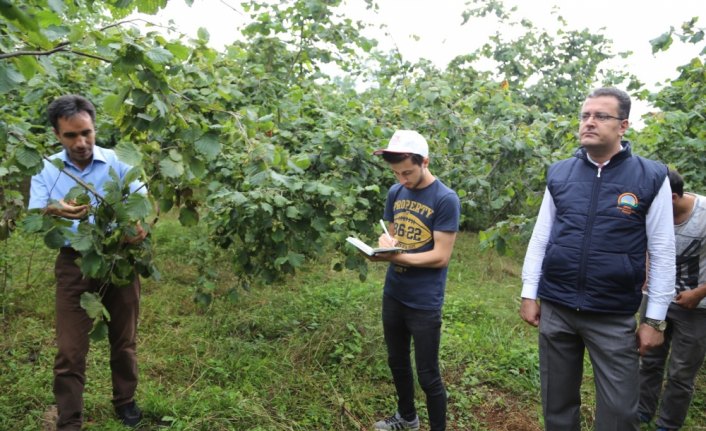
659	325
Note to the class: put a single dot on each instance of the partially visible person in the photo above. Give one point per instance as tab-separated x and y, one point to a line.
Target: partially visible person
423	216
72	118
684	345
604	210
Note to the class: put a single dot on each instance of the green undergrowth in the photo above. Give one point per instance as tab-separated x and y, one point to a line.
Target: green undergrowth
305	354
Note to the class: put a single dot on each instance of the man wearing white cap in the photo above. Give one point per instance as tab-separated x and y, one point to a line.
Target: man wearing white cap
423	217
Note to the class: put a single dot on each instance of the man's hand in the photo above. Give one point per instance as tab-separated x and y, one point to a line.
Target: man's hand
139	236
68	210
386	240
690	298
648	338
529	311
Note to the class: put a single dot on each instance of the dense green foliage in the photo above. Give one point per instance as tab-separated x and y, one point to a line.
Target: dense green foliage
279	151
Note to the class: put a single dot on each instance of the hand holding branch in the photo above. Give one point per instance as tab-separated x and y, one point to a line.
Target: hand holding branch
68	210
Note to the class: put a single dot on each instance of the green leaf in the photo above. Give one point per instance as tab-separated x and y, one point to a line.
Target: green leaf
83	199
28	66
58	163
293	212
132	175
10	78
74	193
198	168
302	161
188	216
175	155
56	5
662	42
91	264
203	35
54	238
91	302
171	169
138	206
13	13
280	200
99	331
159	55
33	223
129	153
295	259
112	104
180	51
209	146
325	190
28	157
82	239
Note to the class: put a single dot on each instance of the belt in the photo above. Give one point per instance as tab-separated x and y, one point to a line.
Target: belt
68	250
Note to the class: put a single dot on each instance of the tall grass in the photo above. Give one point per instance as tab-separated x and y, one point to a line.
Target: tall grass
306	354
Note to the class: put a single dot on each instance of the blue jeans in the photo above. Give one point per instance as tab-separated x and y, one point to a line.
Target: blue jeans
401	324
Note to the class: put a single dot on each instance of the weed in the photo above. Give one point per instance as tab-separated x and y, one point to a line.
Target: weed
306	354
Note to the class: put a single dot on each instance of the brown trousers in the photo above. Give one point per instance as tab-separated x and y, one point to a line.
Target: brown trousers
72	328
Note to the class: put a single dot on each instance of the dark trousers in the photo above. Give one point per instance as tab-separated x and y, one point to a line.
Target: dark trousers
401	324
72	328
682	354
564	335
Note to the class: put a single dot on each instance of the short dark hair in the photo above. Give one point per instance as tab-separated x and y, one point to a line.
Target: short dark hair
67	106
622	97
676	182
417	159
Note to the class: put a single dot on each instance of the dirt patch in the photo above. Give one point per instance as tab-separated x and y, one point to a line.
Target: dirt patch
504	412
49	419
511	417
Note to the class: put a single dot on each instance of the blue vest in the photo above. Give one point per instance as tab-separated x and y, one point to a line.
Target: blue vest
595	257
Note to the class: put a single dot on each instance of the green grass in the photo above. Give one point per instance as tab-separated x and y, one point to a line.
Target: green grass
305	354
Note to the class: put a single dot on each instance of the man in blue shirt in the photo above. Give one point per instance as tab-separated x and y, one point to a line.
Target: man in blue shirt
423	217
73	120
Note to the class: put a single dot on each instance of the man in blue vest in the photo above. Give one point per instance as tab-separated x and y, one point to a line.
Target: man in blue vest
604	210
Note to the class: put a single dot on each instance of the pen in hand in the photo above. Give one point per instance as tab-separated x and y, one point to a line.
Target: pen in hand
384	228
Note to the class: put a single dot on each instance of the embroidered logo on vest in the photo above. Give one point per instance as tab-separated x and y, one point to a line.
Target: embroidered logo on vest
627	203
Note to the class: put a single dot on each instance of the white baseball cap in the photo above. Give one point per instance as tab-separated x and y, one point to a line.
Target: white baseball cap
406	141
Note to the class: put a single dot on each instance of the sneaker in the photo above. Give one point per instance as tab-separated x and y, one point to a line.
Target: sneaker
397	423
129	414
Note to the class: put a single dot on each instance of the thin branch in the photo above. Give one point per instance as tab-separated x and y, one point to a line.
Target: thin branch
93	56
232	7
21	53
119	23
63	46
80	182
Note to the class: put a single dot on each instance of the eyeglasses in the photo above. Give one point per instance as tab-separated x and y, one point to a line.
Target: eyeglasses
598	116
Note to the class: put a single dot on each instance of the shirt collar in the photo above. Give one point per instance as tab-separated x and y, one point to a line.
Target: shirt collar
98	156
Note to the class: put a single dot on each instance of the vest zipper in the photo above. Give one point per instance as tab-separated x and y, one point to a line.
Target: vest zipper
587	237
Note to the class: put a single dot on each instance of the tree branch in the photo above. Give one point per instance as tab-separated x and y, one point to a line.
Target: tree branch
80	182
85	54
61	47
